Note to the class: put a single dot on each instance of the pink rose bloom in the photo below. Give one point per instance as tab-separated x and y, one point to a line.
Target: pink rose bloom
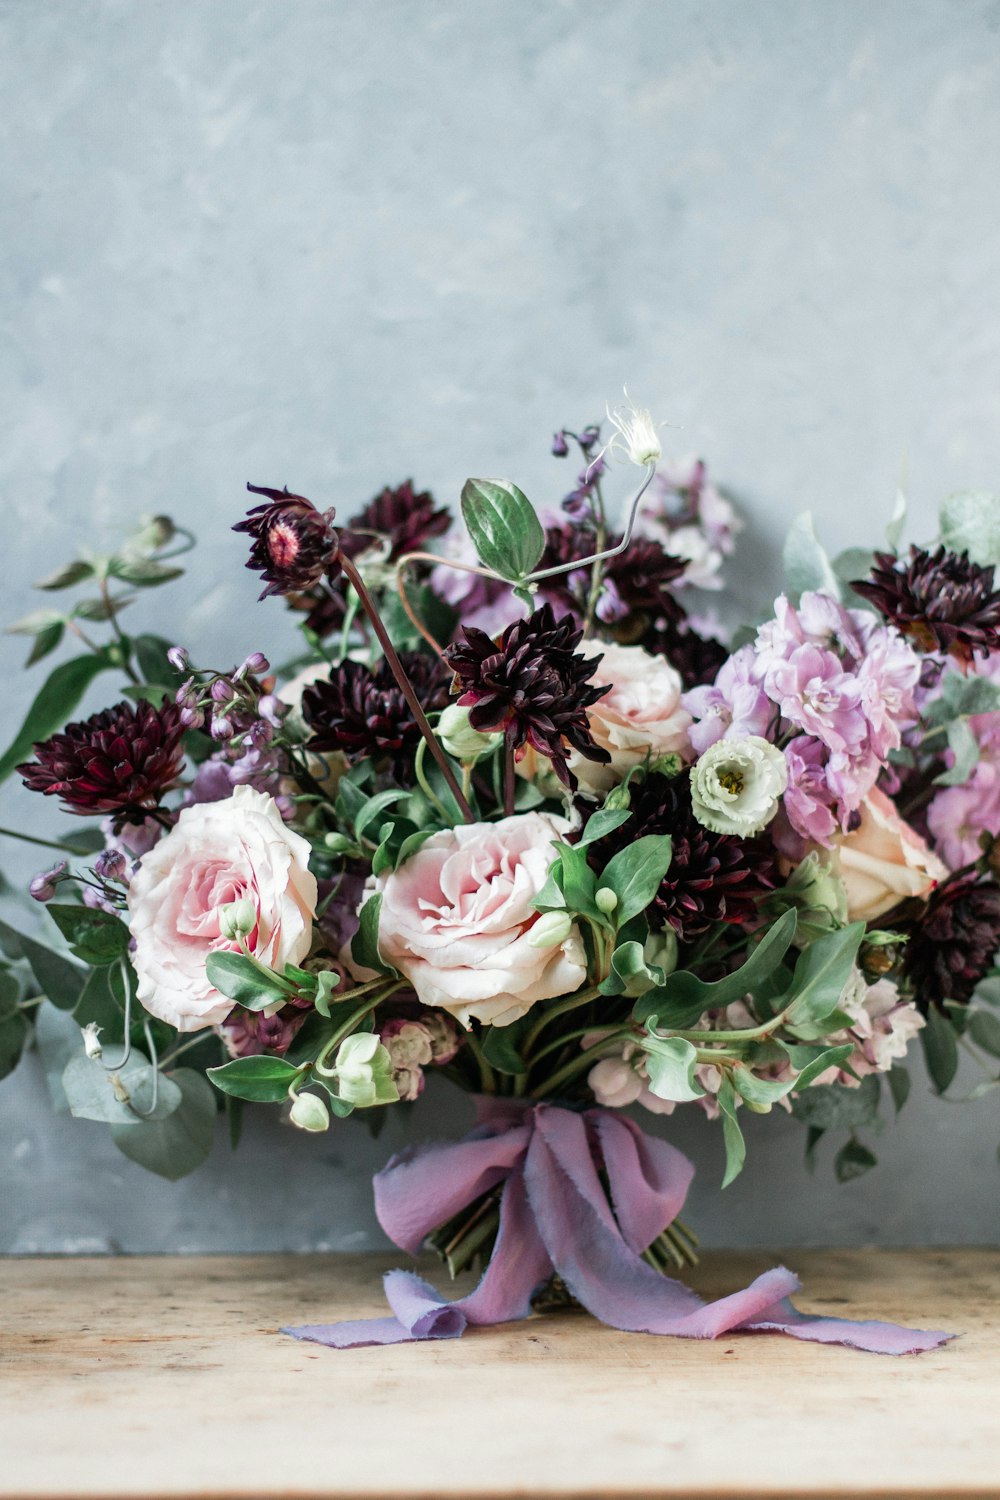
457	920
641	716
959	814
883	861
216	853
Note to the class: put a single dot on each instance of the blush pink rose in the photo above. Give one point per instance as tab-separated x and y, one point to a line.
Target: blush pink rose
884	861
457	920
216	853
641	716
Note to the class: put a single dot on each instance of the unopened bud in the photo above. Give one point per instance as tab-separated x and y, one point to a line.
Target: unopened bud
560	447
192	718
310	1113
255	663
178	658
550	930
337	843
606	900
222	691
111	865
237	919
222	728
43	887
91	1045
458	737
618	798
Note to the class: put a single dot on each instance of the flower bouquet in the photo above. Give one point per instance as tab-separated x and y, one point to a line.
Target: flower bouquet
518	815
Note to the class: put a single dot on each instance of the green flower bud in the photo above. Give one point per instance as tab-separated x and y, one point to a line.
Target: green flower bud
458	737
660	948
550	930
605	900
364	1071
310	1113
337	843
237	919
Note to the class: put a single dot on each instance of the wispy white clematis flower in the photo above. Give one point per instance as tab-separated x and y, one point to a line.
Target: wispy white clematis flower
635	434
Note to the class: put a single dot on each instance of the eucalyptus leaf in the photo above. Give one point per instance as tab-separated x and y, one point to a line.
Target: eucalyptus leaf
984	1029
853	1160
970	522
503	526
940	1047
96	1091
179	1142
836	1107
899	1085
964	747
807	566
57	1038
13	1026
58	979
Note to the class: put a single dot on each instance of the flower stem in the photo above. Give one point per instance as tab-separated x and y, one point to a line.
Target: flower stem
28	838
487	1076
405	685
570	1003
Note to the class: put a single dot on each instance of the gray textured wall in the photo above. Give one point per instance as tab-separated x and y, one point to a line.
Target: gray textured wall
337	244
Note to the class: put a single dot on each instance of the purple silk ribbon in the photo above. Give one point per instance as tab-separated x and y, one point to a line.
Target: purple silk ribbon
555	1216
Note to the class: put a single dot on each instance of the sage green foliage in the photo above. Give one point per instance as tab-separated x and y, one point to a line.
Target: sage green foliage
970	522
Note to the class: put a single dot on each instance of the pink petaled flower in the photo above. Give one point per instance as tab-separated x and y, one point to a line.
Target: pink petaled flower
777	638
734	706
826	623
884	861
217	853
409	1045
959	814
458	918
814	692
888	676
808	798
250	1033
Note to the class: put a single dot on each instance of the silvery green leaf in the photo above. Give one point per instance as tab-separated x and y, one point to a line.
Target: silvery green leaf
984	1029
630	974
66	576
13	1025
940	1049
897	521
736	1150
504	528
970	522
57	978
636	873
807	566
821	972
172	1146
685	997
98	1092
603	822
853	1160
58	1038
836	1107
36	622
960	695
964	746
670	1064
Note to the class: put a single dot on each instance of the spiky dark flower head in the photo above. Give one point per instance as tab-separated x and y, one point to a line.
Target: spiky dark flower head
294	544
532	686
362	711
952	944
696	657
402	517
941	601
117	762
636	594
713	877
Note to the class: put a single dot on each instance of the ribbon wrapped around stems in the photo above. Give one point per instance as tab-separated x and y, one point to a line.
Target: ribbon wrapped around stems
555	1217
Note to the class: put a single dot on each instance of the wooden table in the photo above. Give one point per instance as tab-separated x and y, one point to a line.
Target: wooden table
163	1376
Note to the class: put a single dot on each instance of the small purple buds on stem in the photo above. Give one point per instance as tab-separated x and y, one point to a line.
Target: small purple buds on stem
43	887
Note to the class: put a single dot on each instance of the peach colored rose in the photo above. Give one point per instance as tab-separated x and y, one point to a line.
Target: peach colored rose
217	852
457	920
883	861
642	715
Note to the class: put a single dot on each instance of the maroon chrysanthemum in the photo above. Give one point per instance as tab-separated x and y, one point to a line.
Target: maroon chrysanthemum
532	686
118	762
941	601
636	589
362	711
713	877
953	943
294	544
697	658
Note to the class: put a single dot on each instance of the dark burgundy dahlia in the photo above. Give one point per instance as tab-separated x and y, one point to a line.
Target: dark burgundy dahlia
939	600
294	544
404	518
118	762
362	711
697	658
532	686
954	942
713	877
636	593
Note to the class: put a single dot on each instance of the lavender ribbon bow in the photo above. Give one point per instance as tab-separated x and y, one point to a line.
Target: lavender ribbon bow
555	1216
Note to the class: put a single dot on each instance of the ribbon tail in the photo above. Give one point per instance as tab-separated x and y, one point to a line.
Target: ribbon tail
867	1334
518	1266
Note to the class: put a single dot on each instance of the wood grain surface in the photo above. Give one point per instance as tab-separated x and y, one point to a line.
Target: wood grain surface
166	1376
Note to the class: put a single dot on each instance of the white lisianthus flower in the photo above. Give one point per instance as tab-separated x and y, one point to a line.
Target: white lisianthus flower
635	433
736	785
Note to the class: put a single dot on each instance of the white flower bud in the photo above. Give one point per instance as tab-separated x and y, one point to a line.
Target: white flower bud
91	1045
458	737
237	919
550	930
364	1071
310	1113
605	900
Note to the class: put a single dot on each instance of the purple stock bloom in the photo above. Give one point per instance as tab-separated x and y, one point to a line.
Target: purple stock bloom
808	796
960	814
732	707
814	692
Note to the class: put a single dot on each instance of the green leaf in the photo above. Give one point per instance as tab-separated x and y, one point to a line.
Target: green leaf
373	806
940	1049
732	1135
329	981
93	1089
961	695
57	1037
240	979
57	978
44	643
500	1046
99	1004
154	666
173	1146
13	1026
984	1029
570	886
853	1160
264	1080
670	1065
36	623
66	576
821	972
964	746
970	522
603	822
836	1107
636	873
767	1091
143	572
96	937
685	998
899	1085
364	944
53	705
504	528
631	975
807	566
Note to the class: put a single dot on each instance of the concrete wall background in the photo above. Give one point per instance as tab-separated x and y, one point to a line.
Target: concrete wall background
337	244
